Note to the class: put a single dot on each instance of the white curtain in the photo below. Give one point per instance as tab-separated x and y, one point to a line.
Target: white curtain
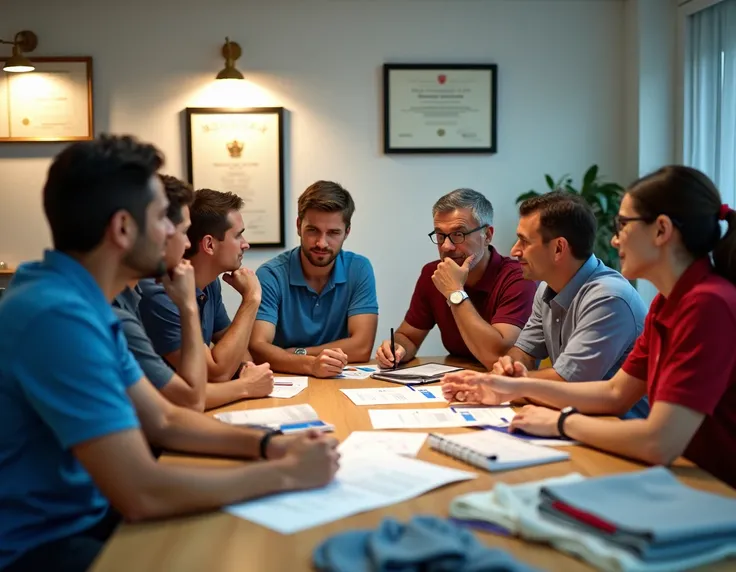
710	95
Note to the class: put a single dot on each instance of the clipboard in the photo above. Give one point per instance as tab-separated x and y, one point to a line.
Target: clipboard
416	375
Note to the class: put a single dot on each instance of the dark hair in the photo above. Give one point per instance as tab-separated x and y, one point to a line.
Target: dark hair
567	215
209	216
90	181
329	197
180	195
693	203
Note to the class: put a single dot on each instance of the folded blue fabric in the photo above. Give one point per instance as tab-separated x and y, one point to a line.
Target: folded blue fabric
425	543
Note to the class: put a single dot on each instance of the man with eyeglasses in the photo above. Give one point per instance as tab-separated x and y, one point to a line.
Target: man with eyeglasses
586	316
478	298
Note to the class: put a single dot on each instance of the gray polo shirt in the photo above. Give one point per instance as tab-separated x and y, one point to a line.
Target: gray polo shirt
588	328
125	306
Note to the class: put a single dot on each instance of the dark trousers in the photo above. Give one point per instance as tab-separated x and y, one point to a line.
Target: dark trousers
71	554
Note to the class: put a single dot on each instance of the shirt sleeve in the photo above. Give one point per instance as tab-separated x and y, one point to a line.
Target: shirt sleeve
153	366
531	339
637	362
515	302
697	367
161	321
420	315
268	311
222	320
363	299
605	329
77	379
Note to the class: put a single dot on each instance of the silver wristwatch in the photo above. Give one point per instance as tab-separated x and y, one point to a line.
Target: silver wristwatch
457	297
300	351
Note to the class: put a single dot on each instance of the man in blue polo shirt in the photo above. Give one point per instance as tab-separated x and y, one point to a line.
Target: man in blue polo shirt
319	309
76	411
217	245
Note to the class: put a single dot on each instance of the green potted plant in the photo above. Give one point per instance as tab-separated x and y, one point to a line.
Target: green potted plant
603	197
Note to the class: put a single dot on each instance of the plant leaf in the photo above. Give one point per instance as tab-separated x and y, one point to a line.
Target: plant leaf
524	196
590	176
550	182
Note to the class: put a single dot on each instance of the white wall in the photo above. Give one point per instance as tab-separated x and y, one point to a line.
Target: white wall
561	103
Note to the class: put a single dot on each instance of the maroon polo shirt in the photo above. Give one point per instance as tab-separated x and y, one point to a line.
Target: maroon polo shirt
686	355
501	296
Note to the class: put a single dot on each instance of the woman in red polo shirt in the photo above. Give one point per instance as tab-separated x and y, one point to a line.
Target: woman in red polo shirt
685	359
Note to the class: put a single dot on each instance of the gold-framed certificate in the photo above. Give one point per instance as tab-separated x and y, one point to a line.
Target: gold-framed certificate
439	108
242	151
51	103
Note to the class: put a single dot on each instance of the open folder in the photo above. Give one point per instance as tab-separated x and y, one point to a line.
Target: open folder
415	375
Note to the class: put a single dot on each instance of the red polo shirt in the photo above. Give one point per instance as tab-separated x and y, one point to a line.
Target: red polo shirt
687	355
501	296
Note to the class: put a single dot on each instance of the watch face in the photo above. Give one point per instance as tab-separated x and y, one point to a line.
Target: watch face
300	352
456	297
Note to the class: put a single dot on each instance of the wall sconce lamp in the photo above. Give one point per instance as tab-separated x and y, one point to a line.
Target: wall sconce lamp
25	41
231	52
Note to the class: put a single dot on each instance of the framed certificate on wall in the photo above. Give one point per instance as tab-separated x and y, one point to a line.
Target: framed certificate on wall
439	108
51	103
242	151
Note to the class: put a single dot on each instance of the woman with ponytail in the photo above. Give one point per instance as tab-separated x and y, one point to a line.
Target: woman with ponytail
669	233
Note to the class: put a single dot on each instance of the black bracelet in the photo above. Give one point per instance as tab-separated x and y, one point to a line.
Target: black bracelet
265	440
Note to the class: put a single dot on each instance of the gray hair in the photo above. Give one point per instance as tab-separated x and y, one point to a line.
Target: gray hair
478	204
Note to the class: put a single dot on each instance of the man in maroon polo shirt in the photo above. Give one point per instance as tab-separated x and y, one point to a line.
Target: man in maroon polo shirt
478	298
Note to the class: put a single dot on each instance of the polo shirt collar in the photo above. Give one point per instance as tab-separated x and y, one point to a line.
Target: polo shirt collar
296	273
83	280
487	281
697	272
565	297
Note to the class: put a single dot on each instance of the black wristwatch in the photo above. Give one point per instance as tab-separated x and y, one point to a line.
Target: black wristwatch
564	414
266	439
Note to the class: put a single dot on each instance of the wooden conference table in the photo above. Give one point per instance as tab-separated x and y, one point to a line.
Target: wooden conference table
219	542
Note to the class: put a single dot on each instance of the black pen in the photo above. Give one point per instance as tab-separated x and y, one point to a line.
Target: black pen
393	348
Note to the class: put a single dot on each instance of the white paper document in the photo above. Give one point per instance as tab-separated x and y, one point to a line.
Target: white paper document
287	387
271	417
394	395
382	442
357	372
363	483
440	417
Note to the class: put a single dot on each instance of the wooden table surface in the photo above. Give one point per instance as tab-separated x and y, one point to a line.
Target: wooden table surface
220	542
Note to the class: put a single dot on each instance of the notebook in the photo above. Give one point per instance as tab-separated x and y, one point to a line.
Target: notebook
415	375
494	451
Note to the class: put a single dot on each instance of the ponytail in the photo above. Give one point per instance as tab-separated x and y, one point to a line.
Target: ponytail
724	253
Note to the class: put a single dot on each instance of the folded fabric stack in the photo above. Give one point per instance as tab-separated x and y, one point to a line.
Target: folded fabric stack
425	543
642	521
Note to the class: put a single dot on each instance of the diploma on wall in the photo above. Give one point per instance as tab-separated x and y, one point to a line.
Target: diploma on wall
51	103
241	151
439	109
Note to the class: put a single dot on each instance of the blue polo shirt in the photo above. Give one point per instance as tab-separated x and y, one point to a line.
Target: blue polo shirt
304	318
162	321
64	371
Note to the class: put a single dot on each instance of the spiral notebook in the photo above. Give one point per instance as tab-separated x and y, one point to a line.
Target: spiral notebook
494	451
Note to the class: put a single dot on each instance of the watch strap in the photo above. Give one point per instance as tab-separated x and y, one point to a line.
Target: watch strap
265	440
564	414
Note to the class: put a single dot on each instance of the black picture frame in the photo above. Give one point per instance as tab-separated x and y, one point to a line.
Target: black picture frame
390	69
191	112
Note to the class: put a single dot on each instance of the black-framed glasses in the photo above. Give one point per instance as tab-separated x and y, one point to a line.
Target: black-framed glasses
620	222
455	237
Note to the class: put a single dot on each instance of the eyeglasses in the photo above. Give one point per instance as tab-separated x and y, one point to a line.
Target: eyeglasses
621	221
455	237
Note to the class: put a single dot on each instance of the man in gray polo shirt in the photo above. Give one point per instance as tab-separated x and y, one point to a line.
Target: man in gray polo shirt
586	316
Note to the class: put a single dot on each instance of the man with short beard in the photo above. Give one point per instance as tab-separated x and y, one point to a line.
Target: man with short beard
188	386
319	309
217	245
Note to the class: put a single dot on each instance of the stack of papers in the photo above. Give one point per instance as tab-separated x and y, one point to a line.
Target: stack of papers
445	417
362	483
289	419
395	395
357	372
382	442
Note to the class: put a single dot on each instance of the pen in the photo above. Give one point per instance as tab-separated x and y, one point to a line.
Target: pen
283	383
393	348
